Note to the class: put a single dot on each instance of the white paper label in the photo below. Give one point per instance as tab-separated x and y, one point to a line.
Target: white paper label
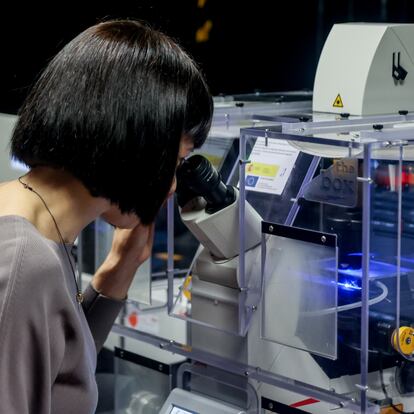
270	166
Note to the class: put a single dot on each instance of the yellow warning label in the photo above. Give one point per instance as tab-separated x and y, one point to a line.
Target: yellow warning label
338	102
262	170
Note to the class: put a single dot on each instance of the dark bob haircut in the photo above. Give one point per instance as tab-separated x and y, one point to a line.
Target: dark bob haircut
111	109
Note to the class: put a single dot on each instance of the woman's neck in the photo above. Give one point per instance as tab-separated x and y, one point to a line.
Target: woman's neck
68	200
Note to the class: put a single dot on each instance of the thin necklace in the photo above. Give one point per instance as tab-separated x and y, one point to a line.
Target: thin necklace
79	294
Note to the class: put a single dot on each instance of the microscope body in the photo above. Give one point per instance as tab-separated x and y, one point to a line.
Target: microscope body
216	286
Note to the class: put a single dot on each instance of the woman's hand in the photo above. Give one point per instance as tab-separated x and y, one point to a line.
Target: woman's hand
133	246
130	248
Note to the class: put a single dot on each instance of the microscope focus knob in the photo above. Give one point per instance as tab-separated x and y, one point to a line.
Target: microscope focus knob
404	341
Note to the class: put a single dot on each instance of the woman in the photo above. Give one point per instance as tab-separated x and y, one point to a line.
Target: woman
102	131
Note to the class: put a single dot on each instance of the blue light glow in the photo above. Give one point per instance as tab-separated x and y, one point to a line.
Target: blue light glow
349	285
377	270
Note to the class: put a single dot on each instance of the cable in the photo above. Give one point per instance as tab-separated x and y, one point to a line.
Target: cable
398	378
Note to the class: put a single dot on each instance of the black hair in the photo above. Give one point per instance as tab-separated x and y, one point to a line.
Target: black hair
111	109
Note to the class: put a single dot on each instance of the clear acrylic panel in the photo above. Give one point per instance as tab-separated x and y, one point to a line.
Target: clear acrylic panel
325	213
271	173
218	384
300	289
142	384
210	294
392	274
276	173
336	185
221	291
223	304
221	299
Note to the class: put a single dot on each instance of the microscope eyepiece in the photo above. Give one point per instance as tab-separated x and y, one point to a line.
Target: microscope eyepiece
197	177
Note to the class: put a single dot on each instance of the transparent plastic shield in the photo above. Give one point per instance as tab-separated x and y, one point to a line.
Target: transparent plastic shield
336	185
210	294
141	384
231	303
272	177
224	293
392	269
300	289
275	174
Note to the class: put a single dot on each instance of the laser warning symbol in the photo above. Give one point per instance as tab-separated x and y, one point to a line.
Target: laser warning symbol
338	102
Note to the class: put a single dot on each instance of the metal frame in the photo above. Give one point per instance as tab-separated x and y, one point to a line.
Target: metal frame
254	373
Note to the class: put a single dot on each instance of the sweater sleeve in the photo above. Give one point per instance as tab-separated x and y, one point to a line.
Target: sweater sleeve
100	312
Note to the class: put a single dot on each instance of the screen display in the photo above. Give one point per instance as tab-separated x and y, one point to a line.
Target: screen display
179	410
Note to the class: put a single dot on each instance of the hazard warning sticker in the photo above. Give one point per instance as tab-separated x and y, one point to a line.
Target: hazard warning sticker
338	102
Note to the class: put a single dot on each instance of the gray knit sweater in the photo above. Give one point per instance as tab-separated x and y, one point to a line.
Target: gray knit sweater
48	342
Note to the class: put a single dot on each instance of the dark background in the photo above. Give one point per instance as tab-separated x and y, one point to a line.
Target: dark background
252	46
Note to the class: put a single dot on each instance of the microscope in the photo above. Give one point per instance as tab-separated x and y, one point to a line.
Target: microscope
210	210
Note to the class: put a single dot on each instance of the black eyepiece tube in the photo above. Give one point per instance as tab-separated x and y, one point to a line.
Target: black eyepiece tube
197	177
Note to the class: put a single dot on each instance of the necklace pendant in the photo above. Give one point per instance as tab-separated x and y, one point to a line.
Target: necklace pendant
79	297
